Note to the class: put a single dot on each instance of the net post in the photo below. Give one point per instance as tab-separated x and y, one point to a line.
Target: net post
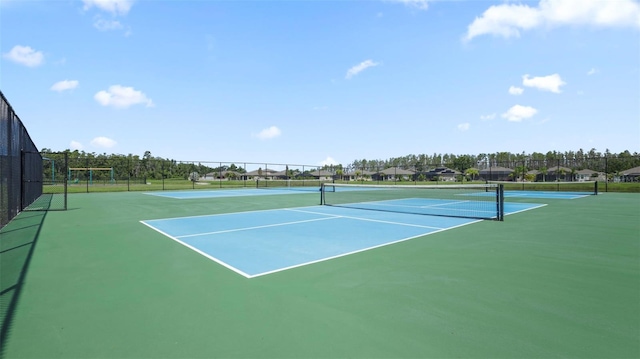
322	189
66	166
595	188
500	190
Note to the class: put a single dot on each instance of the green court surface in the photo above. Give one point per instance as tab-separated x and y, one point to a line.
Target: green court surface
559	281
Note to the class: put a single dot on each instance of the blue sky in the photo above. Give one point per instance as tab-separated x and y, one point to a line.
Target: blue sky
313	82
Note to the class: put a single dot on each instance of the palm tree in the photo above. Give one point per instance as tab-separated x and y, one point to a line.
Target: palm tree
472	173
561	173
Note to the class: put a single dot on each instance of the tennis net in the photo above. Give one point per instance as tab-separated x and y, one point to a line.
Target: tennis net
481	201
585	187
295	185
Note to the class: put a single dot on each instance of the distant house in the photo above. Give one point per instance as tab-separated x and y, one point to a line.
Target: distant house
394	174
442	174
630	175
537	175
358	175
280	175
262	173
225	175
588	175
558	173
322	175
496	173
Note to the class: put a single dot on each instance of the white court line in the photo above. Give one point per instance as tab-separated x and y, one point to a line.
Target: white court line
359	250
449	204
216	215
224	264
329	216
252	228
371	220
526	209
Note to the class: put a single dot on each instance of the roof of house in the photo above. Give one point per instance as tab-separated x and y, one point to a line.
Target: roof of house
442	171
558	169
263	172
635	171
321	173
496	169
396	171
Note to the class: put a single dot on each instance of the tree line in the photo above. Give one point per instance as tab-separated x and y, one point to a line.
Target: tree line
577	160
149	167
143	167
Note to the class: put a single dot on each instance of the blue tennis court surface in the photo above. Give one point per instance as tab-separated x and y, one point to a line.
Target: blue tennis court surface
231	193
546	194
263	242
538	194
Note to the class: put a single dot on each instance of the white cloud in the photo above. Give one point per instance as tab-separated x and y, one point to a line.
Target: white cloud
488	117
507	20
516	90
592	71
329	161
122	97
360	67
103	142
545	83
464	126
25	55
419	4
115	7
268	133
504	20
64	85
107	25
517	113
75	145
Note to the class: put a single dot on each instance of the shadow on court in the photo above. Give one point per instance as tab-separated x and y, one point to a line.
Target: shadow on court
17	243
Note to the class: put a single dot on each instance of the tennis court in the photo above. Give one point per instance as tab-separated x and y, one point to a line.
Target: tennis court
96	281
258	243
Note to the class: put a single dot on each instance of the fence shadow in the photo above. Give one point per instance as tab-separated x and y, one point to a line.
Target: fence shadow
17	243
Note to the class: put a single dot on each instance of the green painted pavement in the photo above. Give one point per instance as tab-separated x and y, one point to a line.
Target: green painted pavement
559	281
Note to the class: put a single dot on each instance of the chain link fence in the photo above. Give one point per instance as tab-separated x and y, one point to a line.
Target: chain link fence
127	173
89	173
608	171
21	170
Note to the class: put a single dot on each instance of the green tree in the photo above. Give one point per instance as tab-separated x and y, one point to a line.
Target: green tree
472	173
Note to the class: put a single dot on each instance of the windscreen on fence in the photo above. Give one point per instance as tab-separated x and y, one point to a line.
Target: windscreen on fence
21	170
